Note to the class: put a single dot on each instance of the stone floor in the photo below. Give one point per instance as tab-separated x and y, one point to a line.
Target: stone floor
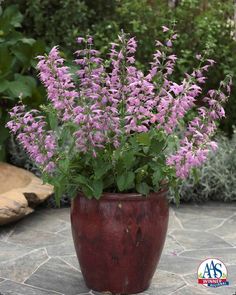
37	256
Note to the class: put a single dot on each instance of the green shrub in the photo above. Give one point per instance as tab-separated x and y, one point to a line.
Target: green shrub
201	24
17	61
55	21
217	178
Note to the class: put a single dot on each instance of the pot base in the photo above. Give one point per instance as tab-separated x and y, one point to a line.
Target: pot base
119	240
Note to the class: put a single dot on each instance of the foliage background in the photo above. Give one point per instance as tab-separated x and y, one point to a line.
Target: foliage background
203	25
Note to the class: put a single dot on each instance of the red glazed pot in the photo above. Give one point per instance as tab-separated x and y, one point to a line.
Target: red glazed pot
119	239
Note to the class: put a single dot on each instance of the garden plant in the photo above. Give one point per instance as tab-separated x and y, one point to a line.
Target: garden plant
115	138
17	63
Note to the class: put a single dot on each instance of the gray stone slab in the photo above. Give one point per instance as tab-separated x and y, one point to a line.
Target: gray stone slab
225	290
6	231
10	251
218	204
42	221
191	279
165	283
109	293
171	246
62	249
227	230
59	213
1	280
187	210
202	223
58	276
177	264
13	288
21	268
72	260
232	275
227	255
35	238
198	240
190	290
173	221
66	233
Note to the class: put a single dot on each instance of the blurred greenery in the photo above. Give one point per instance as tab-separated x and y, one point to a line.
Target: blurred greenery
17	61
202	25
216	178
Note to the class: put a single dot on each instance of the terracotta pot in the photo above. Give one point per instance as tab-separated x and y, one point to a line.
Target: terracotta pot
119	239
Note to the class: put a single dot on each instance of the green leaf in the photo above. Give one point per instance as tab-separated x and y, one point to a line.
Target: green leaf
85	185
128	159
53	120
88	192
196	175
144	138
97	188
23	52
125	181
156	146
3	85
13	14
57	194
143	188
29	41
6	61
19	89
80	179
11	18
100	167
156	177
108	181
29	80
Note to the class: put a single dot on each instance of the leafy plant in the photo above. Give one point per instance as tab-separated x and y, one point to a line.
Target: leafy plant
54	21
217	177
203	25
110	127
17	61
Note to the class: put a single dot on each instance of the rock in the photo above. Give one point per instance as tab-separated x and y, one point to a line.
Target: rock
20	192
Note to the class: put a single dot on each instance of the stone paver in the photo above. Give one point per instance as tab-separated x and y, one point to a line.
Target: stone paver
56	275
10	288
37	255
22	267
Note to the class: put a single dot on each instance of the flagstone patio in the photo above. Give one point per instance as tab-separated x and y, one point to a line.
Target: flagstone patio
37	255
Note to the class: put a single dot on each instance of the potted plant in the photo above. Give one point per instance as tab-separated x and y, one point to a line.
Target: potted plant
117	139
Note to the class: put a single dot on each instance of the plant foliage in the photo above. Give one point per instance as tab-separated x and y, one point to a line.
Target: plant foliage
203	25
17	60
217	177
110	127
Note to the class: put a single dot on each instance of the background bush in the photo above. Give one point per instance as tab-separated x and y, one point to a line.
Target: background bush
201	24
217	177
17	62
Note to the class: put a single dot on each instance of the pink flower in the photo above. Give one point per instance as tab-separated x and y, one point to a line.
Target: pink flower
105	104
165	29
169	43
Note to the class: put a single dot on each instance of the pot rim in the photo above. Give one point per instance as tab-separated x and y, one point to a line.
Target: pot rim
129	196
